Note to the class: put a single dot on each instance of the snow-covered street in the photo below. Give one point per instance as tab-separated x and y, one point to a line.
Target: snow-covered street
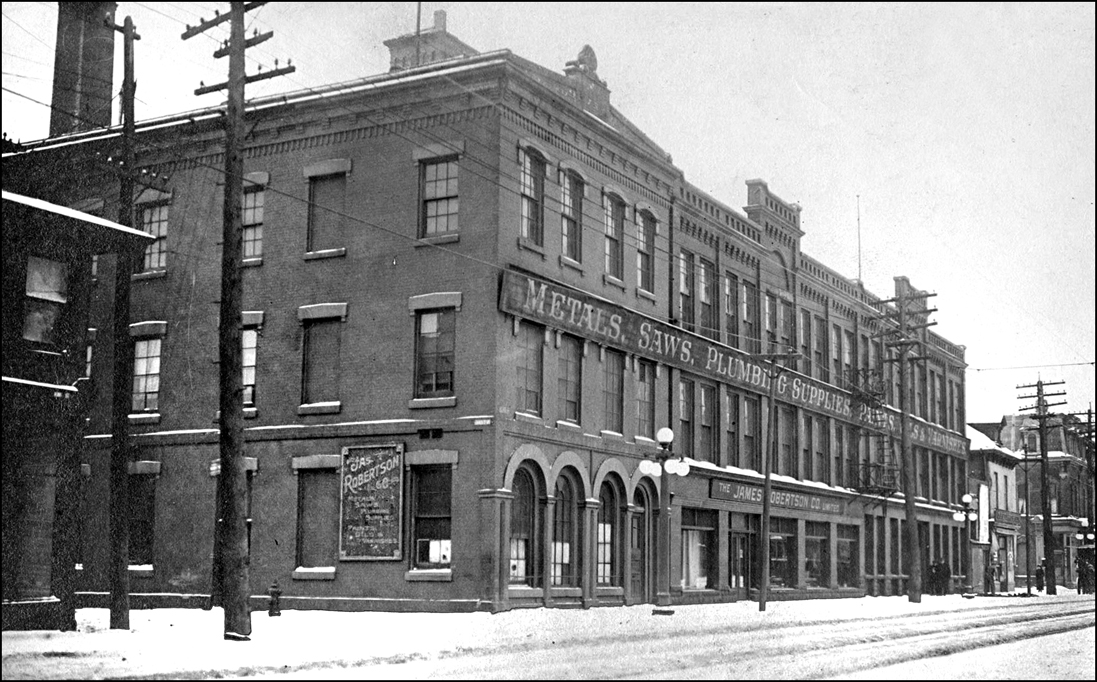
721	640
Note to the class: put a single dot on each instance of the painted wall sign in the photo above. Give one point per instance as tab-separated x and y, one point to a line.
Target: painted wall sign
752	494
601	321
371	503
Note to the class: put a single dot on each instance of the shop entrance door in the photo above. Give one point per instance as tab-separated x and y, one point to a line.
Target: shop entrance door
640	544
741	564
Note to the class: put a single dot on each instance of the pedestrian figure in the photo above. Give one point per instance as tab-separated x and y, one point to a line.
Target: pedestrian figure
1040	576
1079	573
1088	578
931	578
946	578
988	578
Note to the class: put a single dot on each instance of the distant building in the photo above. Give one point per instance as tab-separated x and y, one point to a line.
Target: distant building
994	473
474	291
49	255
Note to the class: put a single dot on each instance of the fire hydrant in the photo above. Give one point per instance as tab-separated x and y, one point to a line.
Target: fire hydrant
275	606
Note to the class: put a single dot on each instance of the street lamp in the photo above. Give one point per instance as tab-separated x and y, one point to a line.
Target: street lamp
967	515
663	467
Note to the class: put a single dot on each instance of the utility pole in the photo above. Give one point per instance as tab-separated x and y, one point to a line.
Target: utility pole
233	573
1042	415
773	372
121	377
908	322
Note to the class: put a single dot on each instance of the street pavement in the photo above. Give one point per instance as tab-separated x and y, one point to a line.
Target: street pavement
814	638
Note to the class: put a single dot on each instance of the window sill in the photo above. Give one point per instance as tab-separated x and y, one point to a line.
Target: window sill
613	281
145	418
438	239
315	573
530	245
251	262
609	591
575	265
566	591
643	293
150	274
528	418
524	592
568	424
425	403
251	412
429	575
320	408
326	253
611	435
140	570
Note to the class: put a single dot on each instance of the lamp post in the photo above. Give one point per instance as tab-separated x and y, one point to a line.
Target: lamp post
967	515
664	466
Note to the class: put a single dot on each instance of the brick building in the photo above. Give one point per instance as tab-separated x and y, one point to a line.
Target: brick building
473	293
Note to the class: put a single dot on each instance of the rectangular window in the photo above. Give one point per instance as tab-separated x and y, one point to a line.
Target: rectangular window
786	442
645	251
434	358
782	553
317	517
570	379
684	439
699	548
731	423
327	204
771	314
252	219
47	292
533	196
751	334
142	519
821	438
686	286
571	215
440	200
531	338
613	389
431	513
786	328
817	554
708	446
731	310
807	435
645	399
805	342
751	456
706	288
249	340
154	220
836	355
615	235
146	375
847	355
822	369
839	468
320	380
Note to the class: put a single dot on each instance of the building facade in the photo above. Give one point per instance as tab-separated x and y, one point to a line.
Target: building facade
49	252
474	291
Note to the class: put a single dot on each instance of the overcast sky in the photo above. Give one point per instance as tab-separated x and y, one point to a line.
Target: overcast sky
967	131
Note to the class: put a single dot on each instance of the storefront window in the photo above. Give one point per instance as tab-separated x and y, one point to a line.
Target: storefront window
698	548
847	555
782	552
817	554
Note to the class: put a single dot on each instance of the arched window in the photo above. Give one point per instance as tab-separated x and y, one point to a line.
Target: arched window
609	536
524	525
533	195
565	535
571	214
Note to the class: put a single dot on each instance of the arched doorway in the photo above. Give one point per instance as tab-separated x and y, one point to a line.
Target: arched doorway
641	546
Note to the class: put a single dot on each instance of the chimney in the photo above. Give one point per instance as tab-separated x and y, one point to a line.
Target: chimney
83	68
590	90
430	45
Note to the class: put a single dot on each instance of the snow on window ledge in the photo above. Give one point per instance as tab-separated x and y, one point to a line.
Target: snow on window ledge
314	573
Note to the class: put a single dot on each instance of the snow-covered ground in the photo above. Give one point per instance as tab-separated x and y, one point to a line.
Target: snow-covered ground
177	641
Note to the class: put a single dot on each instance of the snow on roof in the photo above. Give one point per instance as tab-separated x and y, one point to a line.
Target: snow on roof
980	441
74	214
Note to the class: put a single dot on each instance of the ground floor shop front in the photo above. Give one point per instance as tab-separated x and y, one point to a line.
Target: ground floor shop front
473	515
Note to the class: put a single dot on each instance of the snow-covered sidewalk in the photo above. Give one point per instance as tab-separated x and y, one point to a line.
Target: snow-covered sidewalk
189	642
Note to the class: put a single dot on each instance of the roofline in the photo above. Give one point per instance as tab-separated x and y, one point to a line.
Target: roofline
73	214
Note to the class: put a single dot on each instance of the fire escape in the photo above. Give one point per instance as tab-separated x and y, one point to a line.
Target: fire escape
878	475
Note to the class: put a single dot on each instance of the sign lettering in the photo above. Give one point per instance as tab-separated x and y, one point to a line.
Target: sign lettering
371	503
753	494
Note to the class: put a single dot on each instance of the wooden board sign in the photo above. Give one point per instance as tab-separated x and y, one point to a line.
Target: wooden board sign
371	504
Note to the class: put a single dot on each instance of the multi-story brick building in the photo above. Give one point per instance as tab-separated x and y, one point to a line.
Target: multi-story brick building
474	291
